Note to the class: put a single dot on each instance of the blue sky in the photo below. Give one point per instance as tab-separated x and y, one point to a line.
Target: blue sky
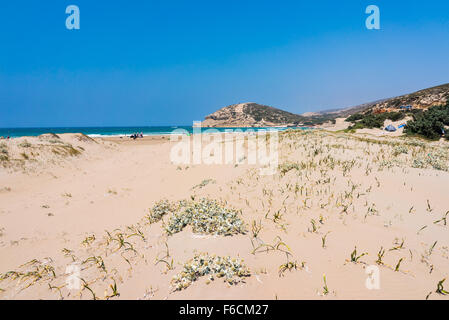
145	62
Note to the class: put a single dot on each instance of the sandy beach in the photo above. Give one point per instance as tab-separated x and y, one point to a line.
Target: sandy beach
339	206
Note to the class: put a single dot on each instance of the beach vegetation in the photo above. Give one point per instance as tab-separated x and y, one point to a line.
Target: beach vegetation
396	269
440	288
25	144
159	210
355	257
380	256
288	266
430	123
231	270
4	154
371	120
204	183
206	216
323	240
256	228
114	290
443	219
325	287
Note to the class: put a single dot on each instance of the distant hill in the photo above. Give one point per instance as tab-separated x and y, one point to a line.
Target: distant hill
251	115
422	99
256	115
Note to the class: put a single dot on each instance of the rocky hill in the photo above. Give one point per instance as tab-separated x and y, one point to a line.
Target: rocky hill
422	99
251	115
257	115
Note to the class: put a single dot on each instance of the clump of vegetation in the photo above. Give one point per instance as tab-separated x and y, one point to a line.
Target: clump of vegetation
436	160
401	149
4	155
270	114
204	183
286	167
429	124
30	273
203	264
289	265
355	257
159	210
66	150
206	217
25	144
371	120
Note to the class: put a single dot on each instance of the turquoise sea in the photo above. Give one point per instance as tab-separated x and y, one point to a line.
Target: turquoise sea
112	131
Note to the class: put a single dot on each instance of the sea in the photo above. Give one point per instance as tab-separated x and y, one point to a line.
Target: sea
121	131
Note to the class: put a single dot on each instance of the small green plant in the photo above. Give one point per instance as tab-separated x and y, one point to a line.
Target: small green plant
279	245
135	232
429	209
325	288
440	288
444	219
86	286
169	265
419	231
114	290
98	261
256	228
380	256
354	257
88	240
314	226
323	240
396	269
277	216
204	183
432	247
287	266
399	246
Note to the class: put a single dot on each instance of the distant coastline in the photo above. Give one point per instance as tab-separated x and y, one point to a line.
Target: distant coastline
96	132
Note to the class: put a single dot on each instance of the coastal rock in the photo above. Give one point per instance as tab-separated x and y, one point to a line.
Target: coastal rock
251	115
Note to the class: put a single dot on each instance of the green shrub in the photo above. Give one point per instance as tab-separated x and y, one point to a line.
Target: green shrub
370	120
429	124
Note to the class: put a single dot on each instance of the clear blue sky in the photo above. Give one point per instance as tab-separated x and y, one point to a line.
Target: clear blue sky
146	62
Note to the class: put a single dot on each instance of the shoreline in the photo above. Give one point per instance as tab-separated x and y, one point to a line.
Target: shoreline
167	131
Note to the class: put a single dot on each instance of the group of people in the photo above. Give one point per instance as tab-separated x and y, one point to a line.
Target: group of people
136	135
2	138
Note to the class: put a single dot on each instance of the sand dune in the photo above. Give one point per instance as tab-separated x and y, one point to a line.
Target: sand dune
338	204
